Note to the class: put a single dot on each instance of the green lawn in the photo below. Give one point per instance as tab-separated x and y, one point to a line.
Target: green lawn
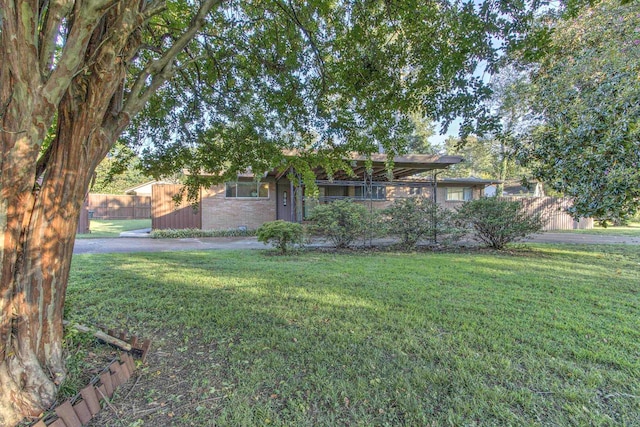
632	230
544	335
113	227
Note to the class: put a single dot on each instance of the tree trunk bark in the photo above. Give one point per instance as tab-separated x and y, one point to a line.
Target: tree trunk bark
38	245
42	186
38	270
504	168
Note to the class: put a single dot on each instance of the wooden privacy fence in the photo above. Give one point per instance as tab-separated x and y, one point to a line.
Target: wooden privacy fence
111	206
554	211
167	214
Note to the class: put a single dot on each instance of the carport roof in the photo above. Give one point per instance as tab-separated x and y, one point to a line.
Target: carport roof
403	166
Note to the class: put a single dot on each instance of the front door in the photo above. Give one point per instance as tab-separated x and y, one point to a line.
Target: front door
284	200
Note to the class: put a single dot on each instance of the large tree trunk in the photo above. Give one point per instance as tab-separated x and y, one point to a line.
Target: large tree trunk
36	264
41	201
42	186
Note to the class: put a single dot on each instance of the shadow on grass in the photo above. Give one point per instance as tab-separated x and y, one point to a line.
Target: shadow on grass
387	338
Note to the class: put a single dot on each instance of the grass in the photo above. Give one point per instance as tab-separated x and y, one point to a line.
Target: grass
631	230
544	335
101	228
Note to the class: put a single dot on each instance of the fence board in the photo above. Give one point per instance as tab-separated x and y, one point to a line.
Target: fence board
116	206
166	214
83	220
554	211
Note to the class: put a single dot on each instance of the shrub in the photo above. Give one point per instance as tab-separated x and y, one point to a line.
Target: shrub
281	234
417	218
185	233
496	222
341	222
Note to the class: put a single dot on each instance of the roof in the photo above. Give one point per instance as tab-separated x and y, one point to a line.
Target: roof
403	166
472	180
134	188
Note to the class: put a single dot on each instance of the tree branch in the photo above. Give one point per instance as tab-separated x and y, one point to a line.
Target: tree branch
86	18
314	47
50	31
161	70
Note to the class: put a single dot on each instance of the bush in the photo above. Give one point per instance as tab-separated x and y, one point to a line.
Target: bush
496	222
281	234
342	222
184	233
418	218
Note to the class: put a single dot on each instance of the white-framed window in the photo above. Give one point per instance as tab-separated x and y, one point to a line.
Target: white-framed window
378	192
246	190
459	194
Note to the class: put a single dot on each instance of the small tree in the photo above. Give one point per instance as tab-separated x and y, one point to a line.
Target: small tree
496	222
281	234
342	222
418	218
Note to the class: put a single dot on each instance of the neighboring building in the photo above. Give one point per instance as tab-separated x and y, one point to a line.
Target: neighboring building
517	189
249	203
143	189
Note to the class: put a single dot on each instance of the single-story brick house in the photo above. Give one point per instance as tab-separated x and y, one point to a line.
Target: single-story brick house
247	202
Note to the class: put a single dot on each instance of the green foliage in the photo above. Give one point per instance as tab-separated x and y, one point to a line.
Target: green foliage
481	159
185	233
418	140
495	222
325	78
118	172
281	234
416	218
585	94
342	222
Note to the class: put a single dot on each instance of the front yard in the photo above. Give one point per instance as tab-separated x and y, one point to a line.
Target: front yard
543	335
630	230
101	228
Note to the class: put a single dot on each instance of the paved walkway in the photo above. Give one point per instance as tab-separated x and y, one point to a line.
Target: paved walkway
128	243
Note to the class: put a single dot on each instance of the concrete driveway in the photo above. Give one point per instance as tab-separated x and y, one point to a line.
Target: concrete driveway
591	239
138	244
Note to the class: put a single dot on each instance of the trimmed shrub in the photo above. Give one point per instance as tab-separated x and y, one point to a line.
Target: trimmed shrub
280	234
417	218
341	222
185	233
496	222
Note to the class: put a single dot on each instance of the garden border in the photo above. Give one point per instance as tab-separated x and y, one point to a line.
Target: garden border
84	406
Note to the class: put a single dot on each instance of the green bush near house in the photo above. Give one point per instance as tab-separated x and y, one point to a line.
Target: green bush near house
341	222
186	233
495	222
417	218
281	234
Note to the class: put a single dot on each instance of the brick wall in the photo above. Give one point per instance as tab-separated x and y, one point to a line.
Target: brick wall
221	213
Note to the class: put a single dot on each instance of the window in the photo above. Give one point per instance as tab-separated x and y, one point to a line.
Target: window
247	190
378	192
415	191
459	194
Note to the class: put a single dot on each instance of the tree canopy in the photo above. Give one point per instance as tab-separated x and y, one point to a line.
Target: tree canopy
585	101
323	78
213	86
119	171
